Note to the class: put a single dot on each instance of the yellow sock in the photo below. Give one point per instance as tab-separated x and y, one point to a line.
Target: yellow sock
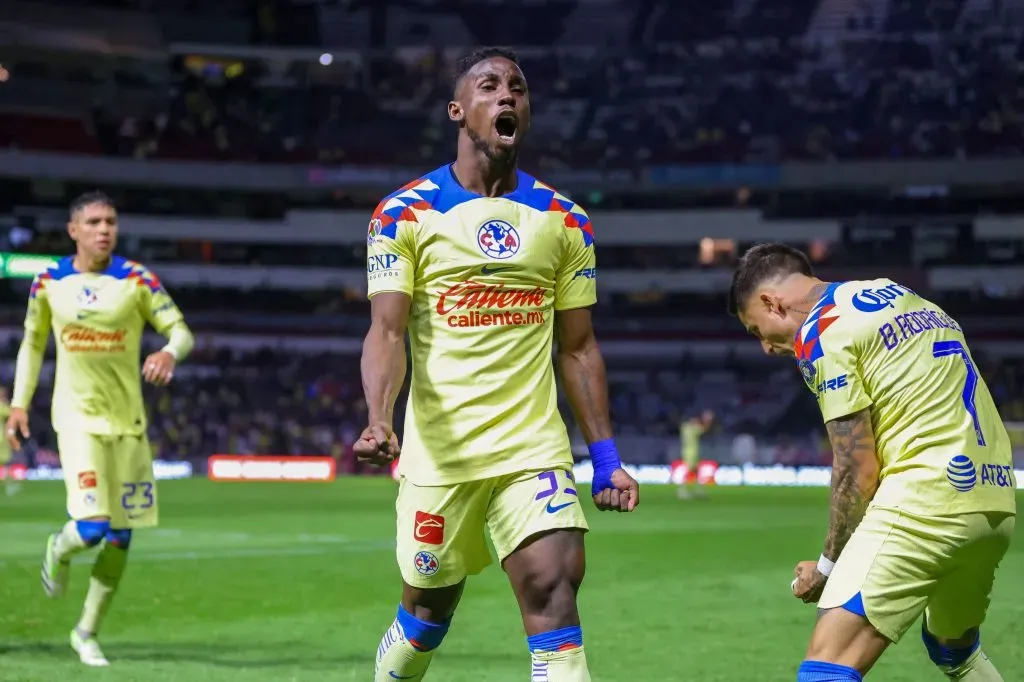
398	659
569	665
558	656
977	668
69	542
106	575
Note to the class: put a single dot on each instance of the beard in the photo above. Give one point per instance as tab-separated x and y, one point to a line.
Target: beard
501	157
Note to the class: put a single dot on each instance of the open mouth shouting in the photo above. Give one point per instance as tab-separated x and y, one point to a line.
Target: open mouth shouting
506	126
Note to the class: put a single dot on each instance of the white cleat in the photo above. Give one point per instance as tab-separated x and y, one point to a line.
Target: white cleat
88	650
55	573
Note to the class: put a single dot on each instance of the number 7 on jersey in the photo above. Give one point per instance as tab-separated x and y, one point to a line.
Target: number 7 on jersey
941	349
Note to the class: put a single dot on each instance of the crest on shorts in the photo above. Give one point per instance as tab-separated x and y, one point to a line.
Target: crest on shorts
426	563
807	372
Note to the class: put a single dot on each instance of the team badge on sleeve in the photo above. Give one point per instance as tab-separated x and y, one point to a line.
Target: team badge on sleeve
807	372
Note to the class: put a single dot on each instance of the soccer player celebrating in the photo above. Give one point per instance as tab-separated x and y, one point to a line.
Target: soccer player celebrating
485	265
923	492
98	305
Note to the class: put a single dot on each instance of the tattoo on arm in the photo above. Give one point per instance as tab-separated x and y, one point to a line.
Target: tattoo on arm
854	477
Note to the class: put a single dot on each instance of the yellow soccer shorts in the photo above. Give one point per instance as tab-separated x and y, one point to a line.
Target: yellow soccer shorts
109	476
899	565
441	529
6	454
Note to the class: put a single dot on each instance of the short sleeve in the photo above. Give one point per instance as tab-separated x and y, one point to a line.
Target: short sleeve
390	256
835	377
576	279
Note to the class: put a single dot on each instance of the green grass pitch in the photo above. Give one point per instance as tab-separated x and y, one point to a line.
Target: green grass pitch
280	582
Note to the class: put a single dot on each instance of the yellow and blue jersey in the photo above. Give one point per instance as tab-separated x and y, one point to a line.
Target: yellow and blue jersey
485	275
941	443
97	319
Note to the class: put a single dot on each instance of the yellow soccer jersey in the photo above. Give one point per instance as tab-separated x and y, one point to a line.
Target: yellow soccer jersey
486	276
942	445
689	436
97	321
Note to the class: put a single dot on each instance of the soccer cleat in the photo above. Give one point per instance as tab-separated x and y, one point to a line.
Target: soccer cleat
55	573
88	650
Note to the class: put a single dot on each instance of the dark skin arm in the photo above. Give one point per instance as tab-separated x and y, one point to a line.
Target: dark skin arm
583	376
855	471
383	370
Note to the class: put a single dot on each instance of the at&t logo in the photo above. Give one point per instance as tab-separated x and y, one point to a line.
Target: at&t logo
498	239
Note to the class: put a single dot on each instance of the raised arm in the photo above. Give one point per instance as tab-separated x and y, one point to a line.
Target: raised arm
583	376
383	370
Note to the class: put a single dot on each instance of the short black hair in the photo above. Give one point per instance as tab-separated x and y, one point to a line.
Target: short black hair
93	197
762	263
478	55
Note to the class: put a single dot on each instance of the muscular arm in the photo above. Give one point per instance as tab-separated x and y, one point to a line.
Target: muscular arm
383	361
582	369
855	471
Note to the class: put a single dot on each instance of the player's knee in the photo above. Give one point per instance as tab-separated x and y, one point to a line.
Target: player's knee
92	531
552	589
819	671
119	537
950	653
421	635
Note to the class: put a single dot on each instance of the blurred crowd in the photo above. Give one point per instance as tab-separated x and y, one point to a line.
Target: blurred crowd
711	88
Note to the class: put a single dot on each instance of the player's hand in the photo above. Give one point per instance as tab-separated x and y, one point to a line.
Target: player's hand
378	445
17	427
809	582
158	369
623	497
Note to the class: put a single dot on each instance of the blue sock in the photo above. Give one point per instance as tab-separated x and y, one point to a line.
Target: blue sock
423	636
817	671
92	532
557	640
119	537
945	656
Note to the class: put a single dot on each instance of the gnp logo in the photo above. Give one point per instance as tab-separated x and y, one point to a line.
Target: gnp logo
472	304
498	239
384	261
873	300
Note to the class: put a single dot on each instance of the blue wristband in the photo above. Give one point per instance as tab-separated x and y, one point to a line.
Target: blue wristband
605	459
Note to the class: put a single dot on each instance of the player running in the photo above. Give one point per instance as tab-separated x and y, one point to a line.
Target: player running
485	265
923	492
98	305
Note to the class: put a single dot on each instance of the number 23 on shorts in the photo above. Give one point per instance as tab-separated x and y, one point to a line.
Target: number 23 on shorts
130	500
